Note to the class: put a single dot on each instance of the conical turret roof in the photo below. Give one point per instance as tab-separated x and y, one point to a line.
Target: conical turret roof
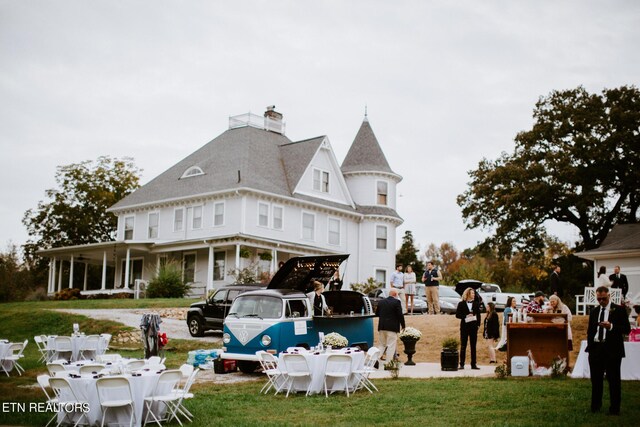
365	154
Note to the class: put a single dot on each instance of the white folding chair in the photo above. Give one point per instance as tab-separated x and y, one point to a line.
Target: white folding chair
15	354
362	375
91	368
42	348
154	360
4	356
187	370
54	368
274	375
163	393
62	348
91	347
115	392
67	398
183	393
134	365
43	381
296	367
104	343
338	367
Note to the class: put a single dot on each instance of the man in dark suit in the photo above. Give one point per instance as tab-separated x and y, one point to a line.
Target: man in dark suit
391	322
554	280
605	345
619	281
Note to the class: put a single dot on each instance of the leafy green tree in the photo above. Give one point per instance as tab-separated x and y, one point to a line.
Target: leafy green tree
579	164
407	255
476	268
76	212
16	281
443	255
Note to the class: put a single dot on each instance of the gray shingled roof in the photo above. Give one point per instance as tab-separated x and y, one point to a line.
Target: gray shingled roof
365	153
296	157
253	152
621	237
377	210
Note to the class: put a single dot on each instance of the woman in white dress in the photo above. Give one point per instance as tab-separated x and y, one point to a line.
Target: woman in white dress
602	279
409	280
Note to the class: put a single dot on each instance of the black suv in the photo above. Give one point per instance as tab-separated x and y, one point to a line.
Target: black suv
209	314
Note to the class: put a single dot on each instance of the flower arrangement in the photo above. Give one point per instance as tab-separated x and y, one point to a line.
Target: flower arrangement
410	333
162	339
334	339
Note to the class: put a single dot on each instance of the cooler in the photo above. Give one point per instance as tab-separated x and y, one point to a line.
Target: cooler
519	366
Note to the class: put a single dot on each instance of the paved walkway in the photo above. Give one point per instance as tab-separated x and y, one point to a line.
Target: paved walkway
433	370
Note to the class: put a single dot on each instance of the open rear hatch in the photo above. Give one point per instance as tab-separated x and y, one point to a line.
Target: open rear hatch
299	273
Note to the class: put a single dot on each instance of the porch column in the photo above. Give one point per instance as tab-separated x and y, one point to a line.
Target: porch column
49	279
210	271
71	273
53	275
103	284
86	271
60	276
237	258
126	269
274	260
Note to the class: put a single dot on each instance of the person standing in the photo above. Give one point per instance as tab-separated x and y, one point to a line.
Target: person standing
431	279
491	330
509	310
468	312
389	310
602	279
397	282
409	280
554	280
317	300
619	281
605	345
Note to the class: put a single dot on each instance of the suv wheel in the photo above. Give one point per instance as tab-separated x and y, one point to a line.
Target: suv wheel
196	327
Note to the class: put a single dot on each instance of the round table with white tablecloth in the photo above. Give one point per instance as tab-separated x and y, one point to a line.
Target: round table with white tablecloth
317	362
141	386
629	370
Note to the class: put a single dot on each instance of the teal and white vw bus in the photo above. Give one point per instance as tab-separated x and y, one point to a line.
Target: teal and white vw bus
281	316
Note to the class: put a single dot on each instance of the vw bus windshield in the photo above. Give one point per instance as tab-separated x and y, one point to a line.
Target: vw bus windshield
259	306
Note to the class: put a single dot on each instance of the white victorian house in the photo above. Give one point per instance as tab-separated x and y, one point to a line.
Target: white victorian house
249	196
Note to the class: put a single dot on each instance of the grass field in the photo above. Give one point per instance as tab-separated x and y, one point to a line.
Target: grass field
459	401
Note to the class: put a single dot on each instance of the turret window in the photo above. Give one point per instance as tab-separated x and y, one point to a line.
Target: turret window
382	193
381	237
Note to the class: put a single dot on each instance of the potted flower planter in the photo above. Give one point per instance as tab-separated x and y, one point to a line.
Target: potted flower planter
409	338
449	356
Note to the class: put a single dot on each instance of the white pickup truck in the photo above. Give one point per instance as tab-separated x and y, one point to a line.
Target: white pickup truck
491	292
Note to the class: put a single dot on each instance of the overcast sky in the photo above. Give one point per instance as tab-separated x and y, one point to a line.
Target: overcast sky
446	83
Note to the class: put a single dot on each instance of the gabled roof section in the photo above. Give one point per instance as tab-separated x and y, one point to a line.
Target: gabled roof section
621	237
296	157
244	157
365	154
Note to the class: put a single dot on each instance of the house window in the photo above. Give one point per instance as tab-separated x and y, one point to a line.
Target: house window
192	171
153	225
382	193
308	226
189	268
197	217
381	237
263	214
128	227
334	231
219	259
321	180
178	219
218	214
381	277
278	213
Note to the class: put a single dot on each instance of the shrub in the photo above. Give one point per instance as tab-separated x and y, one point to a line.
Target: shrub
168	282
366	287
246	275
68	294
450	344
39	294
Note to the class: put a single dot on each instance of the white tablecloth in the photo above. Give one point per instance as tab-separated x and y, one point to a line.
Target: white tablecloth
317	364
141	387
630	369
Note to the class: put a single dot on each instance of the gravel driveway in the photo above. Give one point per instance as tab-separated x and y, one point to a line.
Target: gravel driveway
131	317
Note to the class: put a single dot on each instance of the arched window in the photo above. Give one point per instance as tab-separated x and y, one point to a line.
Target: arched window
192	171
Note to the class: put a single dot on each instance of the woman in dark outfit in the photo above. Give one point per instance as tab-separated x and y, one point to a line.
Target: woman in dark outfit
491	330
468	312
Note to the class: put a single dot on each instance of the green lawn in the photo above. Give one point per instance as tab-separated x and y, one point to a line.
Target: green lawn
481	402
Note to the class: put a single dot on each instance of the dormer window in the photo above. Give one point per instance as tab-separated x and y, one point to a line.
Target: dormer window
192	171
321	180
